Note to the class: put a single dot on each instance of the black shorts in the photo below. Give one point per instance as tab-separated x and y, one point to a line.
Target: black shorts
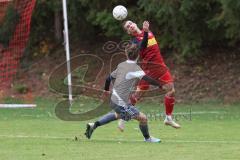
127	112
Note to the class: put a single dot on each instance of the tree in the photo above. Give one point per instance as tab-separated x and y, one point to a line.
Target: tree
184	26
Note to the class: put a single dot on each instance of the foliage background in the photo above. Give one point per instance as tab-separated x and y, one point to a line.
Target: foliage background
185	26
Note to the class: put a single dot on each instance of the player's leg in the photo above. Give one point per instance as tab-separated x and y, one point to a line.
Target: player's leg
163	75
143	125
102	121
131	112
134	98
169	100
121	125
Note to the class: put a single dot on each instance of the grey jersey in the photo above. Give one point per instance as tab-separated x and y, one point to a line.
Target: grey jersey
127	74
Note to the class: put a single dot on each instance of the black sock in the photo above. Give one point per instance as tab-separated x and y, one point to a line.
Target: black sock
144	130
96	124
105	119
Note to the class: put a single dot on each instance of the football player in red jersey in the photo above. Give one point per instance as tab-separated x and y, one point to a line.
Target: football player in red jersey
153	65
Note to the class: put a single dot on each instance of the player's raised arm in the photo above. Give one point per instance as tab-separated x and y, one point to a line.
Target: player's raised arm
145	37
146	26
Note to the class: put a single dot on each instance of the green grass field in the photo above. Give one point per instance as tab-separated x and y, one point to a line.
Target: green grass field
212	133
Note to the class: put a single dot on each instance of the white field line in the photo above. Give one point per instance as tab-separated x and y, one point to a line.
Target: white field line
187	113
149	114
200	112
117	140
171	141
39	137
18	105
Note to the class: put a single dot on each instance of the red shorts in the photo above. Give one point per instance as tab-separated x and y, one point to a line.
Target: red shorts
158	72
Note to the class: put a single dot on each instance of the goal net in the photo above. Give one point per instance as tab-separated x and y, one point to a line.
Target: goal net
15	19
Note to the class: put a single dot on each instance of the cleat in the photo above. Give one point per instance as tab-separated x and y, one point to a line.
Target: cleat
152	140
169	122
121	125
89	130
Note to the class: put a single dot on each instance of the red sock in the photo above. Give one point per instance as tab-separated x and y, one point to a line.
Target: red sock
169	103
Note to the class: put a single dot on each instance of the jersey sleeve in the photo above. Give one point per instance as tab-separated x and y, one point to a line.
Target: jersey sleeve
140	71
144	42
114	74
136	73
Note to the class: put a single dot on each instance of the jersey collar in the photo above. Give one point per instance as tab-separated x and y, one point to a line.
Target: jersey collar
130	61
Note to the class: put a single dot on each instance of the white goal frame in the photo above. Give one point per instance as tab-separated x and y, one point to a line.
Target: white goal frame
66	45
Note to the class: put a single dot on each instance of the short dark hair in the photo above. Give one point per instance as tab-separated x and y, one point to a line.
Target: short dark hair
132	51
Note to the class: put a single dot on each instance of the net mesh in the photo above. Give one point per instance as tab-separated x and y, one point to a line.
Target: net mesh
15	19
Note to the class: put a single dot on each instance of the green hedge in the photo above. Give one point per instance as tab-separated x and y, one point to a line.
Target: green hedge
183	25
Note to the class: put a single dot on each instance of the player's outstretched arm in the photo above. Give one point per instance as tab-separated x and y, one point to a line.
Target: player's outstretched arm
106	91
151	81
145	37
108	82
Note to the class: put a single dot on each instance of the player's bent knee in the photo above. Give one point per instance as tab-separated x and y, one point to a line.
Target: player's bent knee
143	118
171	92
169	88
117	116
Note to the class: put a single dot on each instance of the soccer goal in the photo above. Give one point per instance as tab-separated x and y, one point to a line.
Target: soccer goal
15	20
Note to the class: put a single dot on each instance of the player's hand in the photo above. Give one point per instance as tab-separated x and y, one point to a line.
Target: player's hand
133	100
105	94
146	26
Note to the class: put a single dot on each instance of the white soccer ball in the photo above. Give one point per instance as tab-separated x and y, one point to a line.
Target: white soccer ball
120	12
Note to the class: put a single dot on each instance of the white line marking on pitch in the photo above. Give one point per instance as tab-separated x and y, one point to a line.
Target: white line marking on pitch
18	105
40	137
119	140
201	112
171	141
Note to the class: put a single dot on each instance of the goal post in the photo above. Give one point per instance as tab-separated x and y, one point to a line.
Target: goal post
15	20
67	49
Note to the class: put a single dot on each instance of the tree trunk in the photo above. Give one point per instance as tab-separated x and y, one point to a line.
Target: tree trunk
58	25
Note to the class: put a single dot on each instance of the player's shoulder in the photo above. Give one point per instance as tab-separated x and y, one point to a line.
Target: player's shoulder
124	63
150	34
127	64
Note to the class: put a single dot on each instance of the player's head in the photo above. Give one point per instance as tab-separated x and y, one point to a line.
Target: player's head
132	52
130	27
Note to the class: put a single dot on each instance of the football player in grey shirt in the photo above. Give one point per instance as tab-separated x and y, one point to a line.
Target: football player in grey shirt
126	76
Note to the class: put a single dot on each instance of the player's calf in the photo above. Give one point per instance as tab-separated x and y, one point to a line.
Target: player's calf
102	121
